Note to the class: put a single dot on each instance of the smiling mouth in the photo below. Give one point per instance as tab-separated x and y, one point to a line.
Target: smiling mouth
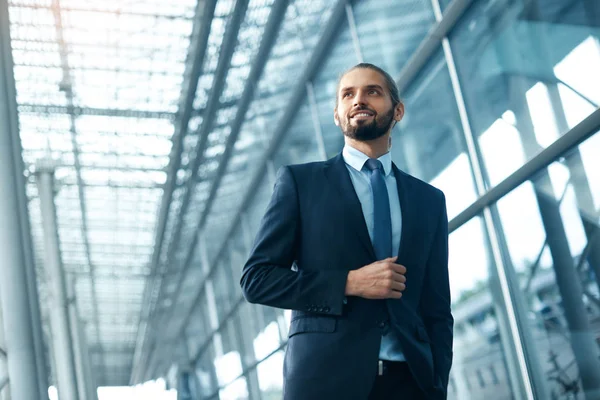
362	115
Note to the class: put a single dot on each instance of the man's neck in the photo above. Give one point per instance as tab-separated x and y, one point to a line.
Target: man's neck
371	148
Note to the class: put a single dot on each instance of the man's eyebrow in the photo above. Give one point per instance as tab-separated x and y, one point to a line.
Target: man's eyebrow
344	89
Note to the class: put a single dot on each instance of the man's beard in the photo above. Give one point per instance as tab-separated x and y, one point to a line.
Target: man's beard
369	131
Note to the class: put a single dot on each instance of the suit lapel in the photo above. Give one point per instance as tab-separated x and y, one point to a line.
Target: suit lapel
339	177
408	211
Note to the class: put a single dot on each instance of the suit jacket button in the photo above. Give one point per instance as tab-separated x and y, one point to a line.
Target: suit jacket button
382	324
320	309
326	309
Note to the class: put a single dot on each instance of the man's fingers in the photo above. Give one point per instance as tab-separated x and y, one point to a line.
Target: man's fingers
399	277
398	286
394	294
401	269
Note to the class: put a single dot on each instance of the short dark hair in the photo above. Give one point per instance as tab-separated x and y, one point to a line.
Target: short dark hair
389	81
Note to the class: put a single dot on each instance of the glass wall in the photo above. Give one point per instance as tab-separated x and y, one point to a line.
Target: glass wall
510	79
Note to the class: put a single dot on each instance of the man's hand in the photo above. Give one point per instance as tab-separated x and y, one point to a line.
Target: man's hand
381	280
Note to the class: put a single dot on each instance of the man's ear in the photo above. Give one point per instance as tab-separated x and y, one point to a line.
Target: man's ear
336	119
399	112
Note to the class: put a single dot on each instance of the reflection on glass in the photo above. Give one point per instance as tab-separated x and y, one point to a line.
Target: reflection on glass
388	37
237	390
478	369
342	57
206	373
270	377
228	367
534	61
267	341
429	141
552	242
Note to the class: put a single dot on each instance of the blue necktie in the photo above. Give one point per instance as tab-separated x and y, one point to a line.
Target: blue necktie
382	226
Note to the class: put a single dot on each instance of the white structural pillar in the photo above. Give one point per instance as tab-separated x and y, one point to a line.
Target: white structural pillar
79	344
14	294
59	309
4	387
91	390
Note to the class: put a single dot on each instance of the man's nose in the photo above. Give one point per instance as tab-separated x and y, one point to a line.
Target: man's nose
359	99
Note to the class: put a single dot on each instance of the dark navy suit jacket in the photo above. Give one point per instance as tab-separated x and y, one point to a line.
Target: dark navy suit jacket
312	234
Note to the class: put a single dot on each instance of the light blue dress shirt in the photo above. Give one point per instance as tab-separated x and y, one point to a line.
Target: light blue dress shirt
360	176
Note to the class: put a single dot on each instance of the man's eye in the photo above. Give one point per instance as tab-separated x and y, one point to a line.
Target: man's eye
373	91
347	94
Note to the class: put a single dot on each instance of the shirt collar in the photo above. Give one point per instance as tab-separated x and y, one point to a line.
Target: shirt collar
357	159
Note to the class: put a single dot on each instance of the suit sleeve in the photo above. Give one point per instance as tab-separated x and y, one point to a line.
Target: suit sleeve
267	277
435	303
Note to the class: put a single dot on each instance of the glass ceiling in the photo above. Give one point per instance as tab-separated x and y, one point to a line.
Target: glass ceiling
98	88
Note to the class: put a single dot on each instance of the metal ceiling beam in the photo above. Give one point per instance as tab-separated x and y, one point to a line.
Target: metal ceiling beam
89	111
272	27
91	10
226	52
117	168
18	44
108	154
112	185
432	42
320	53
85	68
197	53
269	37
71	269
70	101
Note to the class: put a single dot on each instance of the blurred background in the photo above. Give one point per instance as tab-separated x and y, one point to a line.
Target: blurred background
139	142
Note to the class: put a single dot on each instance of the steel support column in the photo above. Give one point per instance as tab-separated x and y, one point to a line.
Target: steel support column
245	343
76	340
4	388
92	392
59	310
79	349
14	288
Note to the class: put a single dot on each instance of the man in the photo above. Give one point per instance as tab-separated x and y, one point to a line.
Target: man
359	251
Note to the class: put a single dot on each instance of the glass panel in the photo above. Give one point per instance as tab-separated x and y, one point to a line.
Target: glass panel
237	390
300	144
342	56
551	228
223	287
478	342
528	74
205	371
270	377
435	152
387	37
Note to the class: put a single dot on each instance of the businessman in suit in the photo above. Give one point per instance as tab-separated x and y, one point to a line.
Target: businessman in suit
358	250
